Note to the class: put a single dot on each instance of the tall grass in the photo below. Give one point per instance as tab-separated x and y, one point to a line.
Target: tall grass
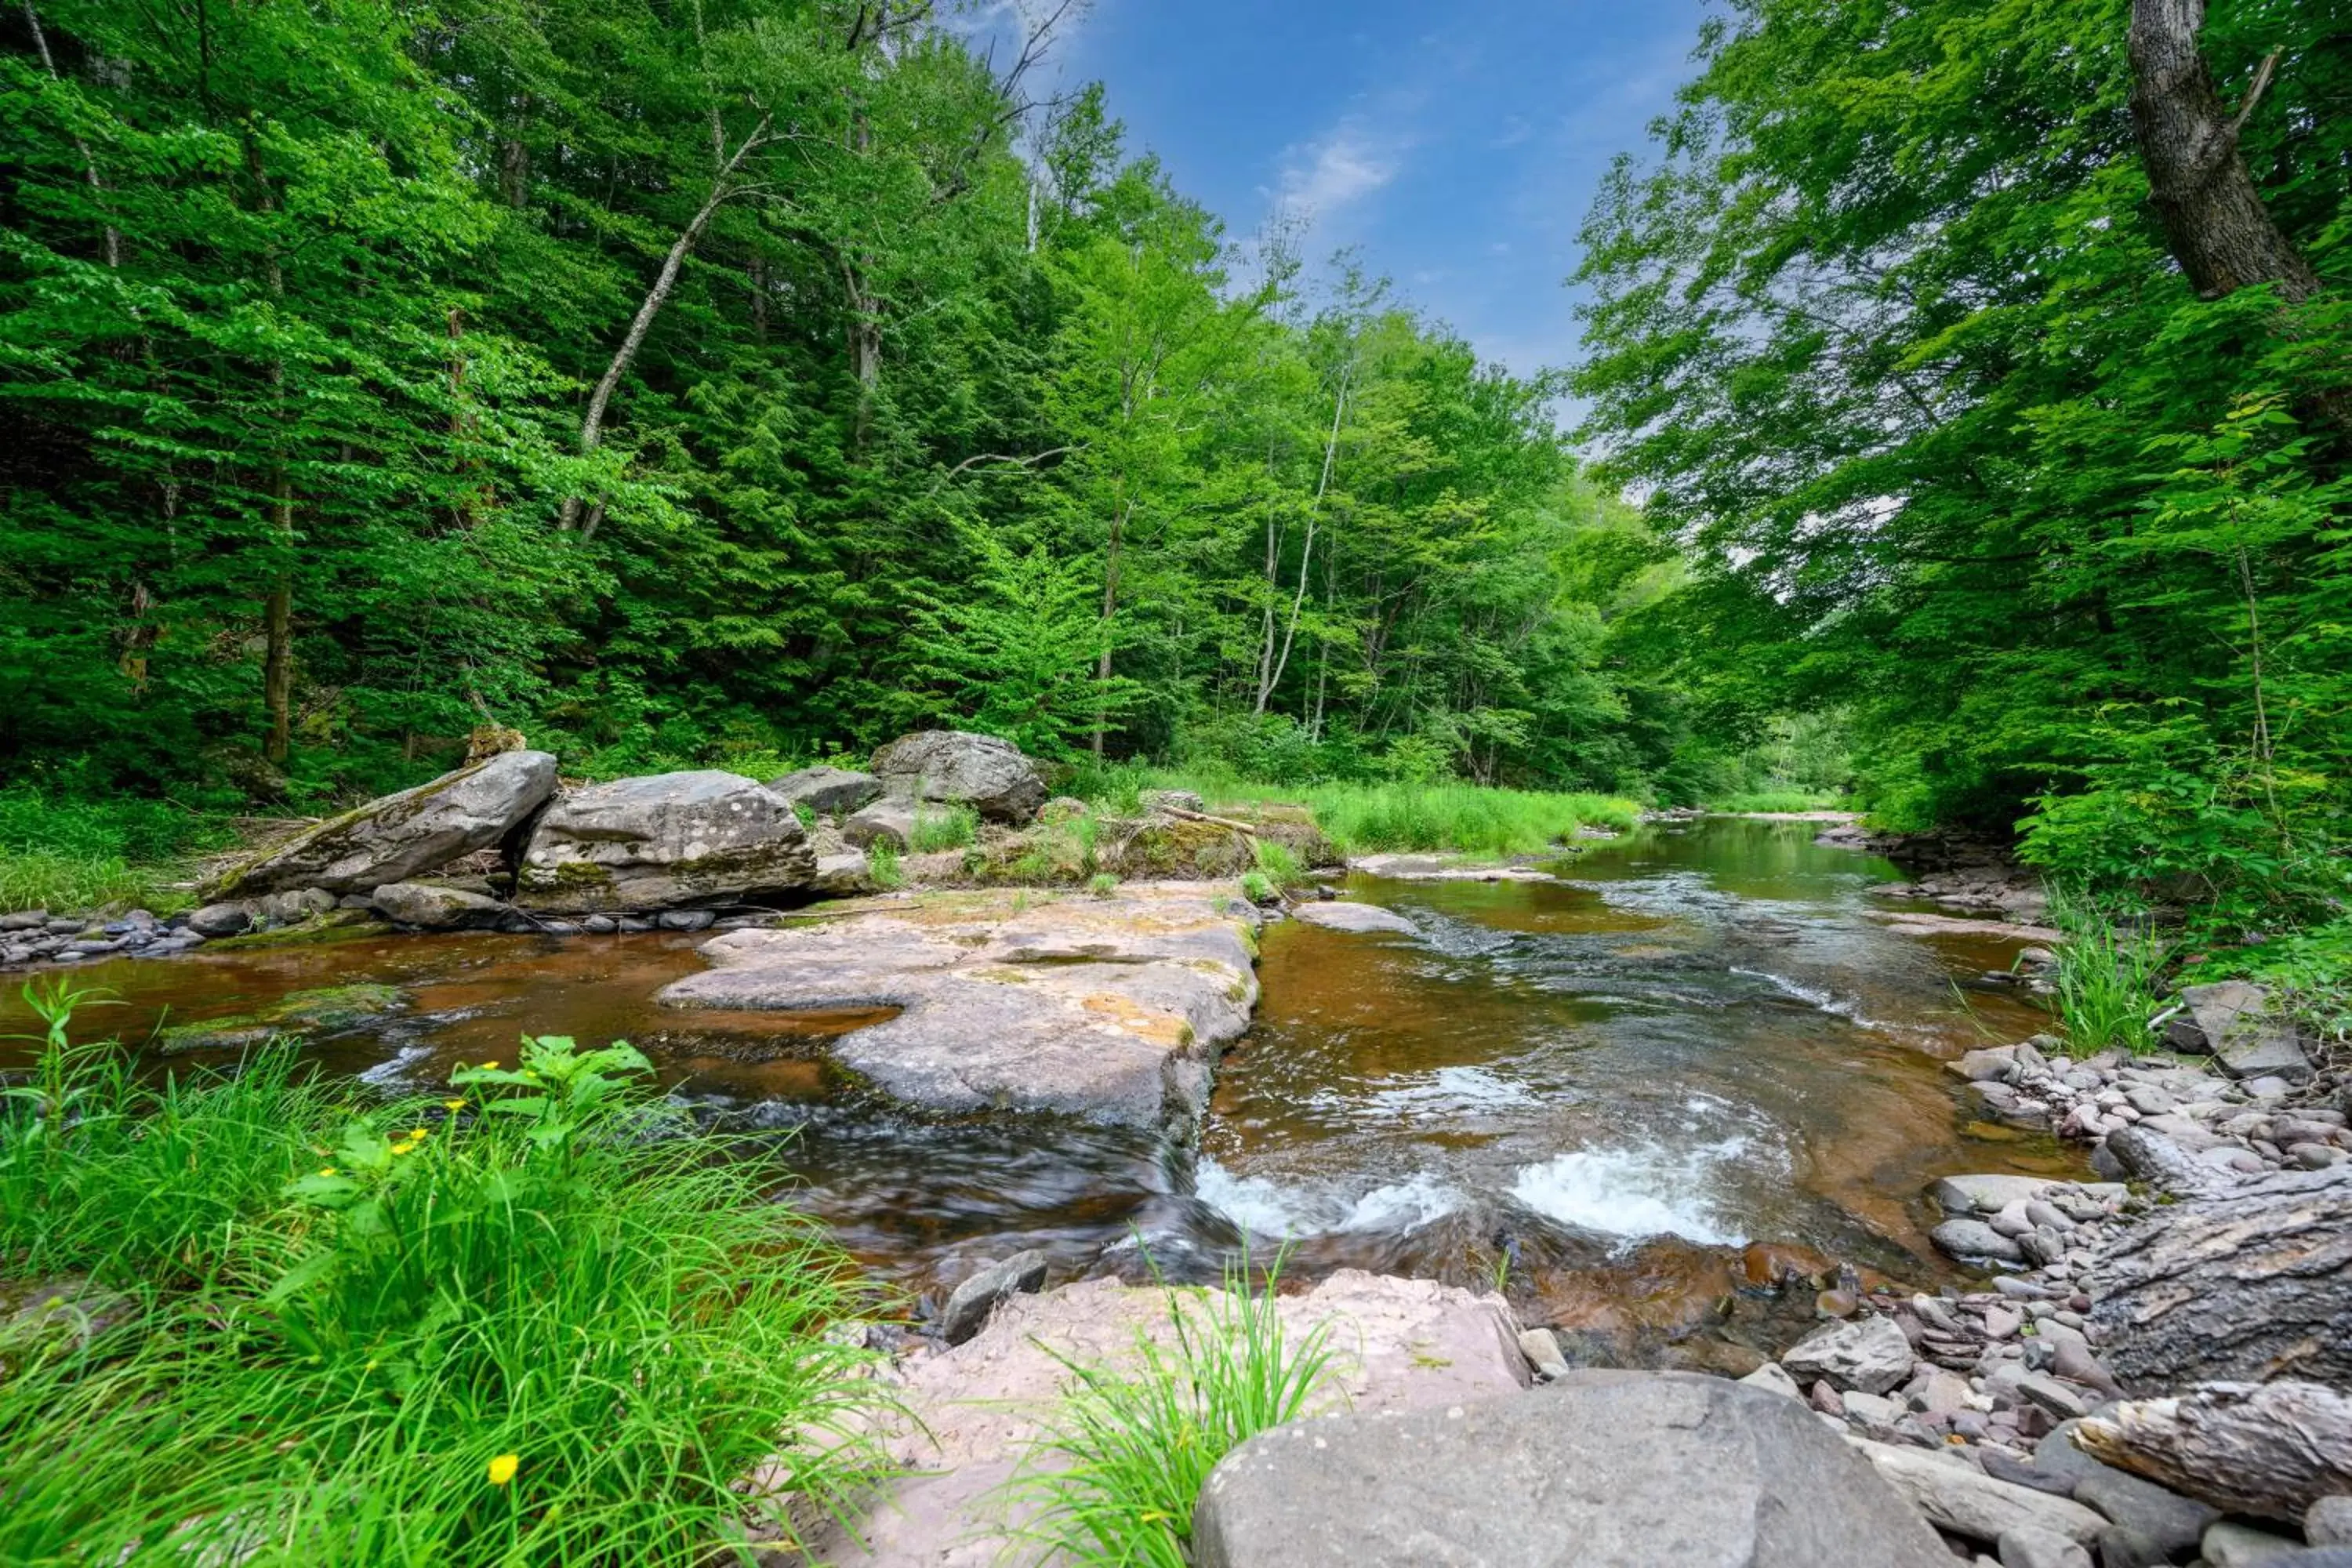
1778	800
62	853
1116	1475
1460	818
528	1320
937	827
2107	975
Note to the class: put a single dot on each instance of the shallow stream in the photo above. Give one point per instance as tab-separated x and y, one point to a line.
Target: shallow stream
1622	1095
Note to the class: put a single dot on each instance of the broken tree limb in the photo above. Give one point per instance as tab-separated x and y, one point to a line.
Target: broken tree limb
2248	1283
2268	1449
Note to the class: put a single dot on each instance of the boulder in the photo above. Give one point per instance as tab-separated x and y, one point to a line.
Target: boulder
1602	1469
988	774
1868	1354
1161	844
835	792
434	906
843	875
220	919
400	835
1337	914
670	839
2245	1037
890	820
969	1304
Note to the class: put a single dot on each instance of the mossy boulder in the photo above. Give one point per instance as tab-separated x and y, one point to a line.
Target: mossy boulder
663	842
400	836
1184	848
331	1010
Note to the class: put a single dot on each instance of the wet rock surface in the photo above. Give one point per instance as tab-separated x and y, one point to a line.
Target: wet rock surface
1338	914
1113	1008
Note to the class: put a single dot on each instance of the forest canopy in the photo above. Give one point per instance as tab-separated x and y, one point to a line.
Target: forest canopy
750	379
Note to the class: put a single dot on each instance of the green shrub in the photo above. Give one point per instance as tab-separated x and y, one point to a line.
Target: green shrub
940	827
1116	1474
1102	884
536	1320
1277	866
2107	975
1258	888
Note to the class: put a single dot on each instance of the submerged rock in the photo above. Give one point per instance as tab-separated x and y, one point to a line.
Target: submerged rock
400	835
669	839
1603	1468
1337	914
988	774
1113	1008
330	1010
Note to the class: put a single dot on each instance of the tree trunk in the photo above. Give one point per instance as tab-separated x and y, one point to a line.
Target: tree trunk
2267	1449
592	428
1110	609
2212	216
2246	1283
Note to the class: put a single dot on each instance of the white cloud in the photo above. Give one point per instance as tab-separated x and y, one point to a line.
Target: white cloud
1324	177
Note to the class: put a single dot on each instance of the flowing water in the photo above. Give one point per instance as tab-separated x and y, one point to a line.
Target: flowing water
1623	1097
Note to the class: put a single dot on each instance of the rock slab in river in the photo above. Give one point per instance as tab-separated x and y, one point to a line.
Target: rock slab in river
1602	1469
1337	914
1110	1008
401	835
988	774
669	839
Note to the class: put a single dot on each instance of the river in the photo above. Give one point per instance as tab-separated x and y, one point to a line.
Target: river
1696	1061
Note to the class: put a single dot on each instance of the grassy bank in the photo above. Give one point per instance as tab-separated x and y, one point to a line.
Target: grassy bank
1778	800
1371	819
63	853
520	1322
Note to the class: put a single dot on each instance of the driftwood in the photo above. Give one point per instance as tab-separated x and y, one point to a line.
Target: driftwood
1204	817
2268	1449
2248	1283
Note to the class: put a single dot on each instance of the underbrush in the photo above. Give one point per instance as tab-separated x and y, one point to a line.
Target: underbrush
1778	800
61	852
1116	1475
532	1320
2109	967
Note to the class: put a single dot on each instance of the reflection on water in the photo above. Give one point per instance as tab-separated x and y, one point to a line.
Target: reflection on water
1597	1091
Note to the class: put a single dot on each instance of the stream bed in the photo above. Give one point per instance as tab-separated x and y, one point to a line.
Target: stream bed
1696	1063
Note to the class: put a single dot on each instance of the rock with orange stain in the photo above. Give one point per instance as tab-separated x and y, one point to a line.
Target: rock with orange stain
1111	1008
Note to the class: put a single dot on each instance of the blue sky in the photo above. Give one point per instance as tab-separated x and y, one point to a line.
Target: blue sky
1456	144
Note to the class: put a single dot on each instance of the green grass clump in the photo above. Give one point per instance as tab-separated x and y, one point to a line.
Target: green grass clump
882	864
940	827
1276	866
2107	975
1778	800
58	852
533	1320
1124	1460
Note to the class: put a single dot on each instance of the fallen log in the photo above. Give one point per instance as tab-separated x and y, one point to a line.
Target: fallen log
1203	817
2241	1284
2268	1449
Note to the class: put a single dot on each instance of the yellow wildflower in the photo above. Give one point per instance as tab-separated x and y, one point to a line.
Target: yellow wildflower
453	1105
489	1067
328	1171
503	1467
404	1148
416	1134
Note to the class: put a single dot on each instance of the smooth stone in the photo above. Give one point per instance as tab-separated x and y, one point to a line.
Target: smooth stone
1602	1469
1974	1241
2157	1513
966	1313
1957	1496
2328	1521
2232	1545
685	919
2027	1547
429	906
221	920
1541	1347
600	925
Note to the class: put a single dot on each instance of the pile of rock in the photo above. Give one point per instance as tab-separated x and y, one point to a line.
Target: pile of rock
1957	870
497	845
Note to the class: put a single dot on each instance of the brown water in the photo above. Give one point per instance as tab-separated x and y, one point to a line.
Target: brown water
1603	1091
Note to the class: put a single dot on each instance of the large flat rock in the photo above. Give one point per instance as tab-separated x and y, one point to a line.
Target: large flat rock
400	836
973	1413
1602	1469
1112	1008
